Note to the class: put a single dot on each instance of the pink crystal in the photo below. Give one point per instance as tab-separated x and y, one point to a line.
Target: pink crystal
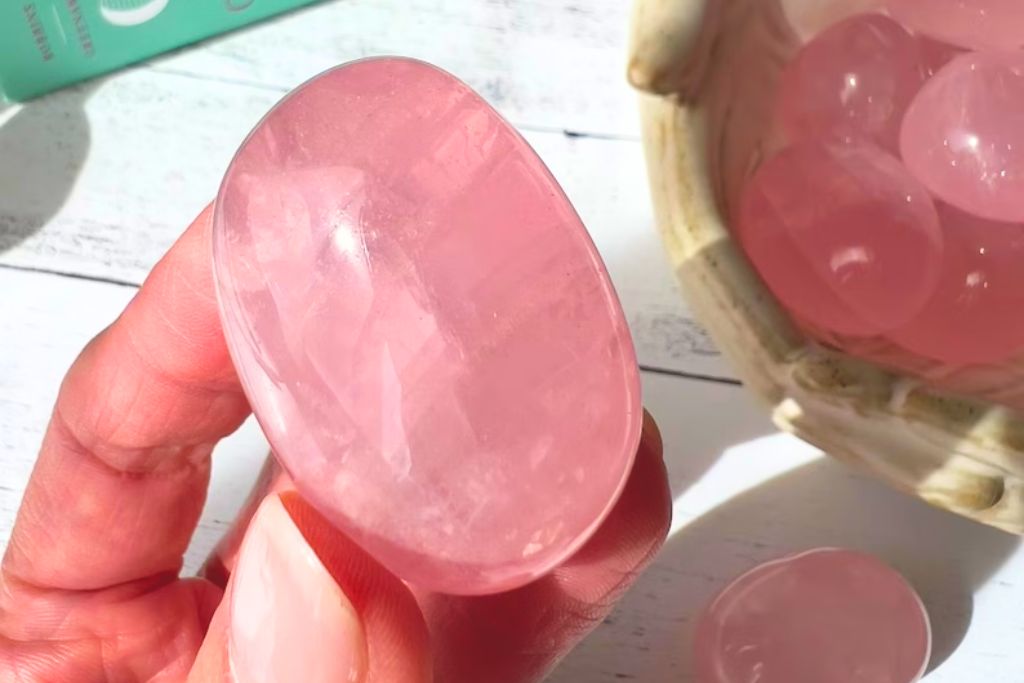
936	54
826	616
975	24
975	315
856	78
843	236
961	138
809	18
424	328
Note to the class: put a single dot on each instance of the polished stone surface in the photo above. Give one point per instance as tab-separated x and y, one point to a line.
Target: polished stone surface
424	328
961	135
843	236
975	24
855	78
975	315
824	616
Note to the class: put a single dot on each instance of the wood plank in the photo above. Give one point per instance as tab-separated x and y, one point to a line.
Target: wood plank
742	494
545	63
45	320
101	179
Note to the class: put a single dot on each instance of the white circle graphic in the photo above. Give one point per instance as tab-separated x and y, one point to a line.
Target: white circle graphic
130	12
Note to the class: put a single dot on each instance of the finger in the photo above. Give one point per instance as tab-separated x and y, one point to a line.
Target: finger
221	562
147	630
519	636
122	473
320	616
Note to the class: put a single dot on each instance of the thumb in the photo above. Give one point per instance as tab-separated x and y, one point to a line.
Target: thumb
306	604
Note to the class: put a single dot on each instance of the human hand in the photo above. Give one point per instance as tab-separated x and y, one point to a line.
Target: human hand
90	588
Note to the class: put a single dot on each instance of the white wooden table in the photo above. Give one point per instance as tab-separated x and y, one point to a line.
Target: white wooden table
97	181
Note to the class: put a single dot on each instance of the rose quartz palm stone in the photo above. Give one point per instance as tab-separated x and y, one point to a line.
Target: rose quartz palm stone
424	329
843	236
855	78
962	138
977	312
825	616
975	24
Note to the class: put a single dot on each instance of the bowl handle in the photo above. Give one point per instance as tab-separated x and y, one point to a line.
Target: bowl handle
665	35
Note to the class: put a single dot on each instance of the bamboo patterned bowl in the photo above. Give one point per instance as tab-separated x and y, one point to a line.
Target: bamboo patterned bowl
707	71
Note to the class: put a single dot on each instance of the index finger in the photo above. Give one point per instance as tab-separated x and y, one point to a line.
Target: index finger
121	477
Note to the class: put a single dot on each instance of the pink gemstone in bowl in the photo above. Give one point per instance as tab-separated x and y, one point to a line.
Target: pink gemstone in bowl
857	77
843	236
975	24
962	139
424	328
977	312
936	54
824	616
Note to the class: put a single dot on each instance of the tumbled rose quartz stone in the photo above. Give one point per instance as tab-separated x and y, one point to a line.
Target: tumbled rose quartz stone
936	54
962	138
855	78
975	24
842	235
808	18
424	328
825	616
977	312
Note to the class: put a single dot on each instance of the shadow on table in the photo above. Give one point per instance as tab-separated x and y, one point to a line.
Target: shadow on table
699	421
945	557
43	147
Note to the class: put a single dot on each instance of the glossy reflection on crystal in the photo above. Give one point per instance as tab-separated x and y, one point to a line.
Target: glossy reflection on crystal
825	616
977	312
857	77
843	236
960	138
975	24
423	327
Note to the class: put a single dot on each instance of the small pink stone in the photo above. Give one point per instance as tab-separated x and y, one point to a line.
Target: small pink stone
856	77
936	54
825	616
975	24
975	315
424	329
960	136
844	237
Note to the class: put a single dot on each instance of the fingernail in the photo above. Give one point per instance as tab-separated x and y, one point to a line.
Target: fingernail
220	565
290	621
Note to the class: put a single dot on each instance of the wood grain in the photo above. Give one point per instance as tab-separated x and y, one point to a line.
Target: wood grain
556	64
743	494
108	176
97	181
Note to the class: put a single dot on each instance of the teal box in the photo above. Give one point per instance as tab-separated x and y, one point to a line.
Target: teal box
47	44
